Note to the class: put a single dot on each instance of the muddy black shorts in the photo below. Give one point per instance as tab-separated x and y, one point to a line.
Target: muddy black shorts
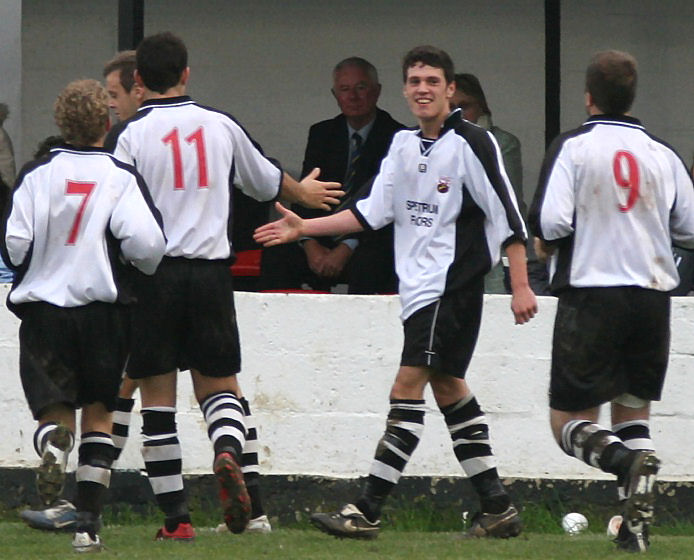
608	341
72	355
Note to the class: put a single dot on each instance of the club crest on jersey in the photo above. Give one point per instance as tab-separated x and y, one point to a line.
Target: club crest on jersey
444	184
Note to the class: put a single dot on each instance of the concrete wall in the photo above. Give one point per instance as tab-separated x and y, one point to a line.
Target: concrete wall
318	369
268	62
11	70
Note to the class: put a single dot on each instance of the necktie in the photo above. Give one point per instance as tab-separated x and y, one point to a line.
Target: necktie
353	159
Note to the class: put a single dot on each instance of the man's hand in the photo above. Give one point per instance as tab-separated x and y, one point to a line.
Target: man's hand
318	194
335	261
523	304
286	229
315	254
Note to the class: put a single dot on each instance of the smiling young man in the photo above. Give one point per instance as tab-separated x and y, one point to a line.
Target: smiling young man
445	189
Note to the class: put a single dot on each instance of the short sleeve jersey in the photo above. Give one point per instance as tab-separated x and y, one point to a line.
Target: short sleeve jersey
613	198
73	217
452	206
190	157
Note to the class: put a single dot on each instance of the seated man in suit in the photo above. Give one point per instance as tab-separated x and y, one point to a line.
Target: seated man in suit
348	149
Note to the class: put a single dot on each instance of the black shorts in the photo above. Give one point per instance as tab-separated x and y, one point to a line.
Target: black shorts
443	334
72	355
608	341
185	318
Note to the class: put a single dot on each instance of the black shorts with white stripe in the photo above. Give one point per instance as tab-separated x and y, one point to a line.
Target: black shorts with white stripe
443	334
185	318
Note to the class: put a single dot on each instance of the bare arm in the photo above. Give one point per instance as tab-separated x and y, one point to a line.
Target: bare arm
310	192
291	227
523	302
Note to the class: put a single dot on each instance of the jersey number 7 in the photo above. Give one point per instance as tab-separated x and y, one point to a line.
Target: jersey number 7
197	138
83	188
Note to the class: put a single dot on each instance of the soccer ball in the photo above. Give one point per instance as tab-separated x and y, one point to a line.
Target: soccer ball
613	525
574	523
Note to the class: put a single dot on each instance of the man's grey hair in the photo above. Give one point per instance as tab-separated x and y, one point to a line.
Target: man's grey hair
360	63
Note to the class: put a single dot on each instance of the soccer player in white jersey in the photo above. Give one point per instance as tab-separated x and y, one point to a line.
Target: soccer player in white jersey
192	156
445	189
79	219
611	201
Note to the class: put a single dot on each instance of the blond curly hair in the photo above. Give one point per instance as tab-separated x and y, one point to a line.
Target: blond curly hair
81	112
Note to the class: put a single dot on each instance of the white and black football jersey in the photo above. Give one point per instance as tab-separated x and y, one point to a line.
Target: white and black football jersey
190	157
452	206
73	216
613	199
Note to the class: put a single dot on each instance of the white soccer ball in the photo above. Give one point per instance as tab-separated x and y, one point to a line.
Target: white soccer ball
574	523
613	525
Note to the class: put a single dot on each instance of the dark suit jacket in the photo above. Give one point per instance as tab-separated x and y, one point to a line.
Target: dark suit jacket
328	148
371	265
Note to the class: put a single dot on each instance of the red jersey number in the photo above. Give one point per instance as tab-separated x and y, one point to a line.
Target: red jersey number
82	188
625	161
198	139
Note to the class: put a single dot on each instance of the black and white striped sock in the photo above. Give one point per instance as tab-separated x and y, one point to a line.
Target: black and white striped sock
403	430
225	426
93	474
161	451
121	424
635	434
469	432
249	461
596	446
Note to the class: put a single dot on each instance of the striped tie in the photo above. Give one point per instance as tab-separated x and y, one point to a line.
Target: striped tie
354	158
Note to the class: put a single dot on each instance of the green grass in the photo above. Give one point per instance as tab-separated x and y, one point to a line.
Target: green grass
20	542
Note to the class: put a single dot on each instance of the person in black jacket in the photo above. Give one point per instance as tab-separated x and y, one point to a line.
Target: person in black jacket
347	149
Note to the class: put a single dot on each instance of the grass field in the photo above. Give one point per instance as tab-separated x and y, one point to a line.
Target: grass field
135	541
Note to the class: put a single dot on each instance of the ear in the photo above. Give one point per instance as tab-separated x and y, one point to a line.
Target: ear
138	93
185	75
588	100
138	79
378	91
450	90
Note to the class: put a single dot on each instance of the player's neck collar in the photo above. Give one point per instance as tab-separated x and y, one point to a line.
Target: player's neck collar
614	118
159	101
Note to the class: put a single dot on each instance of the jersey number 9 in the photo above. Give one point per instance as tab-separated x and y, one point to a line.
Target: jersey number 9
625	161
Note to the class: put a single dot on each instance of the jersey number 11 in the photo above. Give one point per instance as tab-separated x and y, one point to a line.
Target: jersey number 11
197	138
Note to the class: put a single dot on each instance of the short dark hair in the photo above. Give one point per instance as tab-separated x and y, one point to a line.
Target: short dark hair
470	85
46	145
161	59
431	56
360	63
124	64
611	81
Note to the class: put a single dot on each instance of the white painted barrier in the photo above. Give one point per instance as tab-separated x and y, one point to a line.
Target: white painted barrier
317	370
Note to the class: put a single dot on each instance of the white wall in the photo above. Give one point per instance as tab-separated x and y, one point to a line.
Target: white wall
318	369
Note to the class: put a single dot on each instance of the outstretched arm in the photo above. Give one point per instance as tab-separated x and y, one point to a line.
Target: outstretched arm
310	192
523	302
291	227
